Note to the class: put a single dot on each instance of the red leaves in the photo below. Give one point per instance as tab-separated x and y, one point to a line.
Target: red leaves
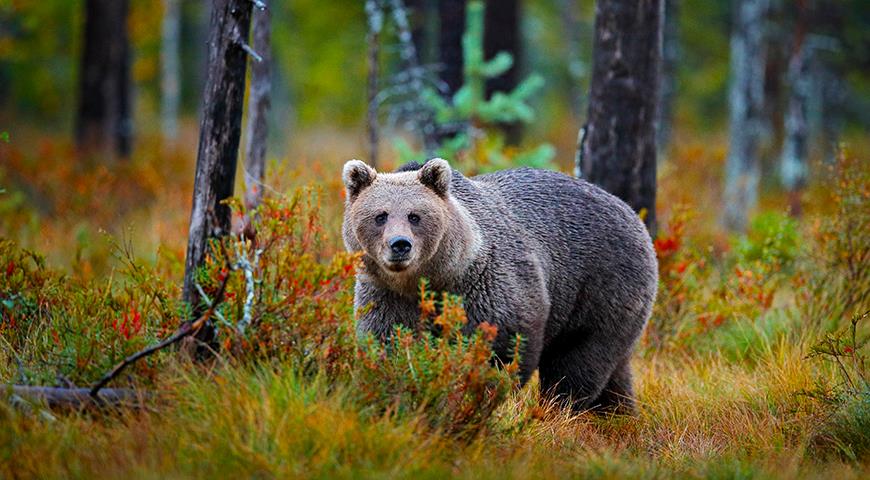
130	325
666	246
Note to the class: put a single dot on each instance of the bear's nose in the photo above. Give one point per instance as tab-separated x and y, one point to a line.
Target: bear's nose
400	245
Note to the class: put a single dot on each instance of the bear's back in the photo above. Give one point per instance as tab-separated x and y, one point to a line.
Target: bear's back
588	237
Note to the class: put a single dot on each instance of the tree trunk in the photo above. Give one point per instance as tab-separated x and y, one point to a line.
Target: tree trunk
746	99
375	15
793	164
259	102
170	74
104	123
619	151
451	14
670	60
501	33
218	137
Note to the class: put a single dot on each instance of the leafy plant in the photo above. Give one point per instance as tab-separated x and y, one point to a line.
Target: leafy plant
846	432
471	117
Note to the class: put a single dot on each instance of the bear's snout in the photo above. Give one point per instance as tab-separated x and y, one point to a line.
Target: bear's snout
400	246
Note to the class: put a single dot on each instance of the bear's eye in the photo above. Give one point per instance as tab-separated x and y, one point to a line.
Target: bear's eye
381	219
413	218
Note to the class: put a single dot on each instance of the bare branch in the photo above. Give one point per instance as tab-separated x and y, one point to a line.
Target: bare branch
186	328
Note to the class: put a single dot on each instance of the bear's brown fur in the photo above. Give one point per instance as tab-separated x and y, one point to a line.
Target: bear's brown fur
566	265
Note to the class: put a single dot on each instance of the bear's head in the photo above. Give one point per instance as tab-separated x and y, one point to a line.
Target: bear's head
400	220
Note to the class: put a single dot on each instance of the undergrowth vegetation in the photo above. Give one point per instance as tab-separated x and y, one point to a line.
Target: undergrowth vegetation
753	365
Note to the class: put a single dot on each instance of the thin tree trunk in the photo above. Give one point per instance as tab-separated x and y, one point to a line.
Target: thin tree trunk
670	60
170	74
501	33
793	163
104	122
417	19
746	98
375	14
219	137
619	151
259	102
452	19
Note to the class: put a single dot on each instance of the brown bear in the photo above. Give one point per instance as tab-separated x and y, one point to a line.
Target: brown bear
568	266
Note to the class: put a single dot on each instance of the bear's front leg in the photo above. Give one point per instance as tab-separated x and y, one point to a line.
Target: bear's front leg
524	313
379	310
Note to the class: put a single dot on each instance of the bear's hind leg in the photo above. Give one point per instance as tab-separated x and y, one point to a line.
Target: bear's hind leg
576	368
618	394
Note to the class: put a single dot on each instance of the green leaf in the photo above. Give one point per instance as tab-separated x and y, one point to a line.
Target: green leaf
499	64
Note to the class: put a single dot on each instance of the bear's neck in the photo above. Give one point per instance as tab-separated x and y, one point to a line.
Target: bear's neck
458	249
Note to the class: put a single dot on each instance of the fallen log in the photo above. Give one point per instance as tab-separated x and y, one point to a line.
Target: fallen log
77	398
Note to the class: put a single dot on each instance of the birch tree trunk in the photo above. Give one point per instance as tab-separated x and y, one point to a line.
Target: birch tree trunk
746	99
375	15
793	163
670	60
619	151
104	120
218	138
170	74
259	102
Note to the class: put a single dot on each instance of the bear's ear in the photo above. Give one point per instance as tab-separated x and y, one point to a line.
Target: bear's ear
357	176
436	174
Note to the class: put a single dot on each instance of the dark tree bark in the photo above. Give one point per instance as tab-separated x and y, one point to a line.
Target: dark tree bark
259	102
619	151
501	33
746	100
104	122
417	20
451	14
218	138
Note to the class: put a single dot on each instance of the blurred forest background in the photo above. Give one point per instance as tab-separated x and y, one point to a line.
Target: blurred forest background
753	364
319	97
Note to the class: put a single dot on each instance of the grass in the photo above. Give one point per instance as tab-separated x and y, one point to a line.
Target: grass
750	367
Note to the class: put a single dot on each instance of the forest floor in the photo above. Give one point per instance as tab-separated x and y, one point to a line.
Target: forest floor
753	365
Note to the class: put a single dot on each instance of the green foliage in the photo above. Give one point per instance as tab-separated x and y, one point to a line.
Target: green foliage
838	277
772	239
479	146
847	432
